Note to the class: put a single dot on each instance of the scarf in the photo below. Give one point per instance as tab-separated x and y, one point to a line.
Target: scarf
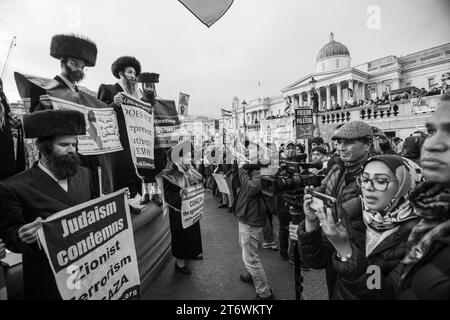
432	205
381	224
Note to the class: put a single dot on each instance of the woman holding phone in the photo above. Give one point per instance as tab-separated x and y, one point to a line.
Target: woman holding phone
365	253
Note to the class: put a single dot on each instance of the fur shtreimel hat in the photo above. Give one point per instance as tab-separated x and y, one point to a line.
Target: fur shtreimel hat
122	63
147	77
51	123
74	46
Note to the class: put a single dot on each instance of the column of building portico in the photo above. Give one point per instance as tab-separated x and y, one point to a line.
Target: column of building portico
309	98
364	91
339	93
328	87
320	100
350	86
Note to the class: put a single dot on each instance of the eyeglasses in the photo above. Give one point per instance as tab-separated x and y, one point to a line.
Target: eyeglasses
379	184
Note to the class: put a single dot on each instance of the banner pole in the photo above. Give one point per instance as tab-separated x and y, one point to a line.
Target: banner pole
99	170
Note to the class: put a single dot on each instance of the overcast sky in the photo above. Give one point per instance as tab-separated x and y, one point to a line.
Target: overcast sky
272	41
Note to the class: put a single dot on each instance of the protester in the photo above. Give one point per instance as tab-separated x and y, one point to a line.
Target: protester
55	183
317	142
251	213
320	154
380	241
149	186
412	147
427	274
186	243
354	141
8	166
121	170
381	143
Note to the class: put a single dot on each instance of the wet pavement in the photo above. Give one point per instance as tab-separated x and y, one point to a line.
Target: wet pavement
216	277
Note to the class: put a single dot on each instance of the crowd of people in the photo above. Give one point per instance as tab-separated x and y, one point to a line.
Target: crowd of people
388	237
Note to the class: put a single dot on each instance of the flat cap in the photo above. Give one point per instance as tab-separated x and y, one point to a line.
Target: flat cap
353	130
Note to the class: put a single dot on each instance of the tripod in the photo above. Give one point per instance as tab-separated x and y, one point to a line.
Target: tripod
295	219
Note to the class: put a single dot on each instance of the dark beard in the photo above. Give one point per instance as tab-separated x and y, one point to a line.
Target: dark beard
65	166
74	75
131	88
150	97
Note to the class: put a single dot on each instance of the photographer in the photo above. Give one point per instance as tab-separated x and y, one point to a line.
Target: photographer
354	141
251	212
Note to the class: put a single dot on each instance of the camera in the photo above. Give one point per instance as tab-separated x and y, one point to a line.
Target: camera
293	175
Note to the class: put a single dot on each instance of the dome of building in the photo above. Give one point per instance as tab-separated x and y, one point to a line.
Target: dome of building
332	49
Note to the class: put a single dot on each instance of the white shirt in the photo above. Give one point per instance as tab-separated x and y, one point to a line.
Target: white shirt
62	183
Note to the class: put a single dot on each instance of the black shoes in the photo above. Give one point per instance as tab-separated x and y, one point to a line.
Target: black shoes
246	278
222	206
270	297
284	255
184	270
145	199
199	257
157	200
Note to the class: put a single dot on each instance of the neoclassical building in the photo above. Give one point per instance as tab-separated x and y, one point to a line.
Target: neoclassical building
339	83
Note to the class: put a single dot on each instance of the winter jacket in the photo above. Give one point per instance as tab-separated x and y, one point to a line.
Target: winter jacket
430	277
249	206
351	277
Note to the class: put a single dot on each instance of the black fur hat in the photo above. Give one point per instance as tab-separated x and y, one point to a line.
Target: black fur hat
148	77
122	63
74	46
51	123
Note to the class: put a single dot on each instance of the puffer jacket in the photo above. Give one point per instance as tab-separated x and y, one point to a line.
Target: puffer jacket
429	279
249	205
348	280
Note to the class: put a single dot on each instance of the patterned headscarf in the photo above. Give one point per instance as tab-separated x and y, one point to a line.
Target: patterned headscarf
381	224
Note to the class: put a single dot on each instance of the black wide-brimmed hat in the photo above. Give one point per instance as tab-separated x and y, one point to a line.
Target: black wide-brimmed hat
51	123
74	46
124	62
148	77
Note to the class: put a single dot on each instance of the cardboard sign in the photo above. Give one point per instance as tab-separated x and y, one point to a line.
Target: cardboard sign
192	202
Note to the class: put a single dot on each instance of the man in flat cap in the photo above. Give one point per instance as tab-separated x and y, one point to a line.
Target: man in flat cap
354	141
75	53
55	183
121	169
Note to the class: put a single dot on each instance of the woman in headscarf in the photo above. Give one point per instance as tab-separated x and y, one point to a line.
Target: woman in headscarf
179	175
369	250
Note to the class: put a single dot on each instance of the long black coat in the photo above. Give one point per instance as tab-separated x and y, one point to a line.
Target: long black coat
24	198
7	159
119	164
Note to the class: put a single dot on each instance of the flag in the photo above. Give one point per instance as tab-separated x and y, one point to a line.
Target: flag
207	11
287	109
226	113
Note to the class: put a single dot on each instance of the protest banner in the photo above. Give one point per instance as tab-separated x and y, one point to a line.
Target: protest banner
138	117
90	248
102	131
167	124
304	123
101	121
183	104
221	183
192	205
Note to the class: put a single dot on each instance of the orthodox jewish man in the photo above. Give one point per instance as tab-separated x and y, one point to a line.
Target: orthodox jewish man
74	53
56	182
121	170
148	81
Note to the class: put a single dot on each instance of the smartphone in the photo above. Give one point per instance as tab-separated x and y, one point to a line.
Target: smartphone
320	200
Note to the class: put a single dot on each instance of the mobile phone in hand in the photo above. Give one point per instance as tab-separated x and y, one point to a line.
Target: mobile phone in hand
324	201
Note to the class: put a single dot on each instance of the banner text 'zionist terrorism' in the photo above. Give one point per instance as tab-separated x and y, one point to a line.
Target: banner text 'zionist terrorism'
139	120
91	250
102	130
192	205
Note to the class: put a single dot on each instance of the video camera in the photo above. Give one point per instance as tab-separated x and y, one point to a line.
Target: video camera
293	175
